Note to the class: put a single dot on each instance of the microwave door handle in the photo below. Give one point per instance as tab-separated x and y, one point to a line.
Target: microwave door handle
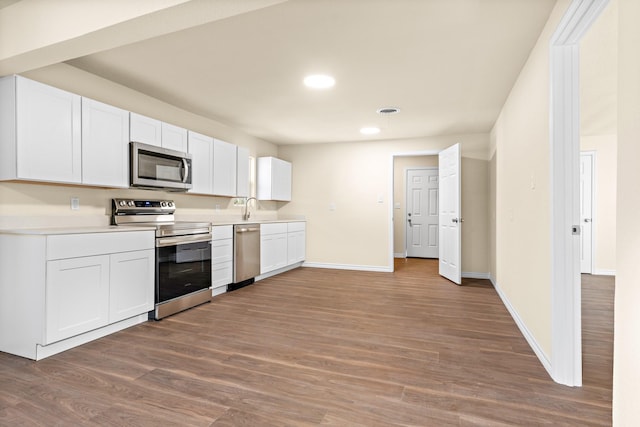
185	165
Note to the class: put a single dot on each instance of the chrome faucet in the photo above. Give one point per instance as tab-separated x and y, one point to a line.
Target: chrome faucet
247	214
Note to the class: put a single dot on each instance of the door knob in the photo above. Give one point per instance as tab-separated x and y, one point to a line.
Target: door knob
587	220
455	220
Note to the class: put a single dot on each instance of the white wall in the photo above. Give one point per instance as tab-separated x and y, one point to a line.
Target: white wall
626	369
522	187
351	177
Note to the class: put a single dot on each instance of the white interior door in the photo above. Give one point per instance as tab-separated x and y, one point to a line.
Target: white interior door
422	213
586	212
450	221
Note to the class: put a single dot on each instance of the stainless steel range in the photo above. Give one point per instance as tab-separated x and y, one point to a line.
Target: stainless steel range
183	253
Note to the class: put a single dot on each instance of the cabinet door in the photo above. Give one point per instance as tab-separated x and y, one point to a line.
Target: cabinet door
48	133
281	189
145	129
295	247
105	144
131	285
222	274
77	296
201	149
224	168
174	137
274	179
273	252
243	172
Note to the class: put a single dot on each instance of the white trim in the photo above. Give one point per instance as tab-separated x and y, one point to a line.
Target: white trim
278	271
602	272
400	255
544	360
374	268
474	275
566	333
593	155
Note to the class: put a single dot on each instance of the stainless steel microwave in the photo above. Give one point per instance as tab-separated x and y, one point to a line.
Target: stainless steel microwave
159	168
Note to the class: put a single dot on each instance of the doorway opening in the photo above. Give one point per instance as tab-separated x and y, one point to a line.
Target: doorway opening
566	324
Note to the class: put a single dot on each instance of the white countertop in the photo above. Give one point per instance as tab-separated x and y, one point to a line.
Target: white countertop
75	230
114	228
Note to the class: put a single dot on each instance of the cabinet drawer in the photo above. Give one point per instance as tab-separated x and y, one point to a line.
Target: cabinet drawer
221	251
222	232
295	226
273	228
222	274
81	245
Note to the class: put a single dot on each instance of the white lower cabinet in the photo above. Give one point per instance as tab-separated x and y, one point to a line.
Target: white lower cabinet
77	296
221	258
273	246
74	288
129	290
296	242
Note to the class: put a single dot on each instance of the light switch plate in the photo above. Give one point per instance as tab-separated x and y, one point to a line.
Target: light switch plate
75	203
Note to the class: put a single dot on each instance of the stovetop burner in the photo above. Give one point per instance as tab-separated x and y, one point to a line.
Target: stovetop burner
154	213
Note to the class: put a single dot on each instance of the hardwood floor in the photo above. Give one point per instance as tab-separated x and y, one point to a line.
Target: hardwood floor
321	347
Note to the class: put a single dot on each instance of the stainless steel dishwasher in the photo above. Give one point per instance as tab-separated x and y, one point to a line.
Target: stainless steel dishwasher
246	256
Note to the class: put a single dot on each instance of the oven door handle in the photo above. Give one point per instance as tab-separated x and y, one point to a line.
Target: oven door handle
182	240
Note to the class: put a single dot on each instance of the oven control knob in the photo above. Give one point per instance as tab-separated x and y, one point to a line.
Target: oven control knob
130	203
122	203
170	204
163	204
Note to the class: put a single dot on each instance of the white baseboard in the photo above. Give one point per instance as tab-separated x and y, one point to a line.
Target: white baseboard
349	267
473	275
69	343
604	272
400	255
278	271
523	329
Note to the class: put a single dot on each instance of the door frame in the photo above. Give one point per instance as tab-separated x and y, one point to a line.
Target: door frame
593	155
406	202
390	191
564	129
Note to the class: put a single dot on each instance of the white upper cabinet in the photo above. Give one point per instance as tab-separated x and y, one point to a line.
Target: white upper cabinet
174	137
105	144
242	172
40	136
146	130
154	132
201	149
274	179
224	168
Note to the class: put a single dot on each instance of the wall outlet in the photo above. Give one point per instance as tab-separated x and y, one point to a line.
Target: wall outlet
332	206
75	203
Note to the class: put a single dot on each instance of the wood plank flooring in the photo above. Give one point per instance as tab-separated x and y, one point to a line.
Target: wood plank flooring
321	347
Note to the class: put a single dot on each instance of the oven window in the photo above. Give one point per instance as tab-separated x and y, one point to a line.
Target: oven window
182	269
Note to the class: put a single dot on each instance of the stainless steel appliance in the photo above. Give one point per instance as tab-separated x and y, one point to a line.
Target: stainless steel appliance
246	257
159	168
183	253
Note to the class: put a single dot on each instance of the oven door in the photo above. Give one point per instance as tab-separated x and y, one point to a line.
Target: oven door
183	266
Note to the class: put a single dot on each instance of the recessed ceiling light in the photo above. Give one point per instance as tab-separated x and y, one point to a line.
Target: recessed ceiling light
388	110
319	81
370	130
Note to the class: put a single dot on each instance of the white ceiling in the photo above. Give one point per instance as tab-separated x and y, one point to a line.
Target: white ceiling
447	64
